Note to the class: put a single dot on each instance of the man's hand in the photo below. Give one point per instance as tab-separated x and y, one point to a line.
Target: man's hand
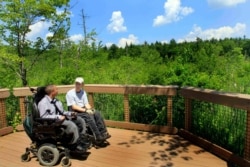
89	111
73	114
62	117
87	106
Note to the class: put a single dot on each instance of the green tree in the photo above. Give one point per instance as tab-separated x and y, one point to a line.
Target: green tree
17	17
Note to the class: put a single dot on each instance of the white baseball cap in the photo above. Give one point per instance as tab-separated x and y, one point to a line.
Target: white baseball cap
79	80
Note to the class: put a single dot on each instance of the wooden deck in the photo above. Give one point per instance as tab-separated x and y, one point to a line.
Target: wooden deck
127	149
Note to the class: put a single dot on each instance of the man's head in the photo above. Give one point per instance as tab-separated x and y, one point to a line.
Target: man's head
51	90
79	81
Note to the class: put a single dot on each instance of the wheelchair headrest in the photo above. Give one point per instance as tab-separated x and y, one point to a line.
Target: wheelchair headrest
40	93
35	112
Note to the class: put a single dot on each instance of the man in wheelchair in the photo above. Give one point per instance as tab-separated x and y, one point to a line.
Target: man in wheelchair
77	101
49	107
55	133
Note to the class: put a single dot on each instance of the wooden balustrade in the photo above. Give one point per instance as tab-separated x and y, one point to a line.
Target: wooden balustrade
233	100
4	93
125	90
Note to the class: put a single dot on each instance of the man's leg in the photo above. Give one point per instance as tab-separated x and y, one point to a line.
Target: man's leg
80	123
84	138
71	128
101	125
100	122
91	123
75	142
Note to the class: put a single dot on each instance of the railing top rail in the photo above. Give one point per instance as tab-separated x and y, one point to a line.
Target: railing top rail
170	90
236	100
4	93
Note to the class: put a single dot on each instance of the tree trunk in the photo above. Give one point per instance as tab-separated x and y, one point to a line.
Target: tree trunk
23	74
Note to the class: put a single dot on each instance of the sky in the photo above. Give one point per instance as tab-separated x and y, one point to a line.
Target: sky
138	21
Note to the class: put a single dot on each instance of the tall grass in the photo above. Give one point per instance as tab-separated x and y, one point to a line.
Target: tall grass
110	106
219	124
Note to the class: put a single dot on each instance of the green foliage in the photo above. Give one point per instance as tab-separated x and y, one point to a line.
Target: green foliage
17	17
110	106
12	111
16	120
148	109
228	123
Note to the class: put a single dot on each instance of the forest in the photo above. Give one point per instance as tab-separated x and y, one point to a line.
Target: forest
221	64
215	64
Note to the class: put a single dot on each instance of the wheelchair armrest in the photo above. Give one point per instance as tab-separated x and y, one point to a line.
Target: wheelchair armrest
49	121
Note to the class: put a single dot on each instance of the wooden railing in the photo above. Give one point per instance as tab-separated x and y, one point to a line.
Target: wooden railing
239	101
4	93
124	90
233	100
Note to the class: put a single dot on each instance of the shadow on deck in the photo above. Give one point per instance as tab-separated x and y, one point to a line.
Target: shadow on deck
127	149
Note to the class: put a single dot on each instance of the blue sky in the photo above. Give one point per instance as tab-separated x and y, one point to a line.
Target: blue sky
137	21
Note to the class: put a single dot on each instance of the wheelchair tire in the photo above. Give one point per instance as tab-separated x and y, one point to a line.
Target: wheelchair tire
65	162
48	154
25	157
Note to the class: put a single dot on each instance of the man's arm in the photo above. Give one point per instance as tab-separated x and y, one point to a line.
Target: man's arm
46	111
59	106
78	108
71	102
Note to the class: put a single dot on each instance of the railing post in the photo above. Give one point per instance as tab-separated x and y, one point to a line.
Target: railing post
3	120
22	107
170	111
247	140
126	108
91	99
188	116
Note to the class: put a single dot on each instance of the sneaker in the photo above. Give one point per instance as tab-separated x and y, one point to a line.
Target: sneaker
100	138
86	141
80	149
106	135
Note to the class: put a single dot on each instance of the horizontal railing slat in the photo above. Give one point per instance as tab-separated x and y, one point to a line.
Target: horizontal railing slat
114	89
235	100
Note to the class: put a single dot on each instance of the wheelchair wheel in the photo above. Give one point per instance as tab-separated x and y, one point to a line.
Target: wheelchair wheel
25	157
65	162
48	154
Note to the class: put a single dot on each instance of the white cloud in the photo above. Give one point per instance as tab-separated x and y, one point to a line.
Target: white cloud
49	34
37	29
219	33
117	22
108	44
60	12
132	39
164	41
225	3
76	37
173	12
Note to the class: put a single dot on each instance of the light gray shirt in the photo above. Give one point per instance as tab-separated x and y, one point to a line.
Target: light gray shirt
47	109
76	98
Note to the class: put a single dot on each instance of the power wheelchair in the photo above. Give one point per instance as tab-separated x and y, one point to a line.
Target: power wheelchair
49	142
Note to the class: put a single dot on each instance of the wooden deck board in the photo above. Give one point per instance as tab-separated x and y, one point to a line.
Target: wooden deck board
127	148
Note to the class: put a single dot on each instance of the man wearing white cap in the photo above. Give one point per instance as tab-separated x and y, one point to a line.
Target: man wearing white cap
77	100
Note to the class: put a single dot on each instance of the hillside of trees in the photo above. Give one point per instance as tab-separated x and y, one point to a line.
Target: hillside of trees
215	64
